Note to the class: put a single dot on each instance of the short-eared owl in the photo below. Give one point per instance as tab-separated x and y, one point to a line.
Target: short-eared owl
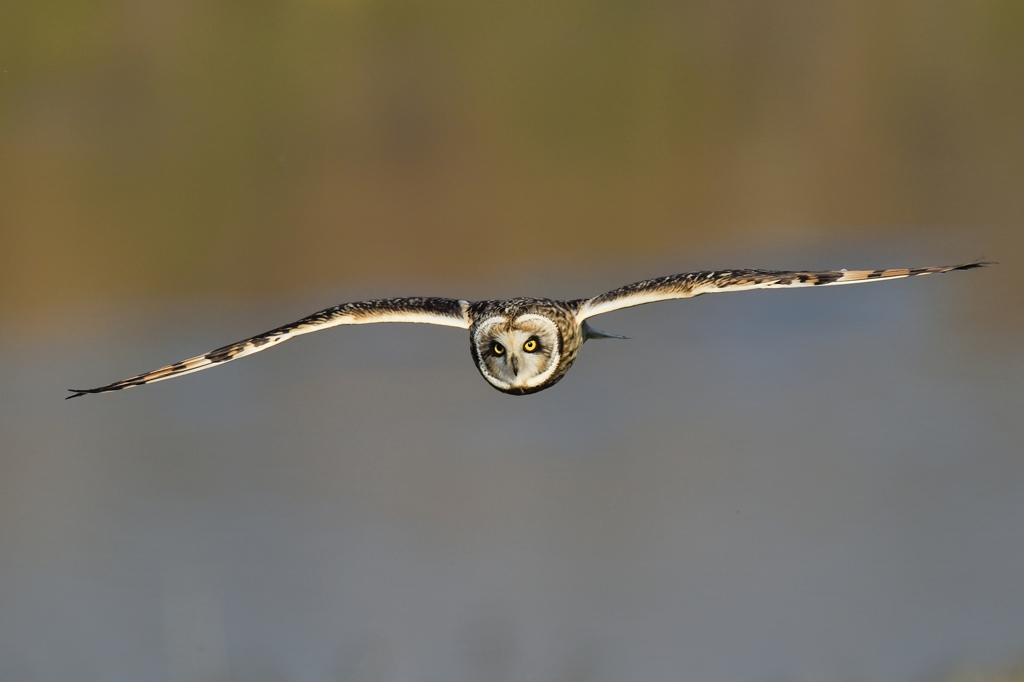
522	345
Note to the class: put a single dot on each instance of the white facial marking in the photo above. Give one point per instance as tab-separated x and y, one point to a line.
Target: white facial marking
502	346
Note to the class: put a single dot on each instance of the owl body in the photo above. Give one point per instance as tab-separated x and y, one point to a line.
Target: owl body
523	345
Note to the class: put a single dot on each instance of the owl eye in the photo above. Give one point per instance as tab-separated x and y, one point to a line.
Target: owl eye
497	348
530	345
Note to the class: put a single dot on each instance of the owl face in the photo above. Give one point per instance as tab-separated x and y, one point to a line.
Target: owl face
517	355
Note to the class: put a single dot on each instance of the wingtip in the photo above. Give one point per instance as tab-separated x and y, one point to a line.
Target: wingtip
77	393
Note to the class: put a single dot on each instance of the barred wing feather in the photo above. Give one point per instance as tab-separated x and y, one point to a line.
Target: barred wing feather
692	284
441	311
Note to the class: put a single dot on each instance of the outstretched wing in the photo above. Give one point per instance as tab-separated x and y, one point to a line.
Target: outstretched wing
443	311
693	284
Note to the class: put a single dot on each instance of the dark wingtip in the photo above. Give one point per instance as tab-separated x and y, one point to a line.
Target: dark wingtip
77	392
980	263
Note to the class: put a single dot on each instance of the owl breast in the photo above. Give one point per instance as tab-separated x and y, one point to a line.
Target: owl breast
524	345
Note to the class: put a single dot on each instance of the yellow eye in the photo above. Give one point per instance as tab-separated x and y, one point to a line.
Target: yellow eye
497	348
530	345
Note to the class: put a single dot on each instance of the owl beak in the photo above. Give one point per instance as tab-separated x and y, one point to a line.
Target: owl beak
515	366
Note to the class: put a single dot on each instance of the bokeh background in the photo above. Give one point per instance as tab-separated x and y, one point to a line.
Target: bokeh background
805	485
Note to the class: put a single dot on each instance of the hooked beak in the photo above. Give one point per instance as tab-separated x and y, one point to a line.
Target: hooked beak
515	366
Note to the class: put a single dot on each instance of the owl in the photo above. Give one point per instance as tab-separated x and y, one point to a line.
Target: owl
523	345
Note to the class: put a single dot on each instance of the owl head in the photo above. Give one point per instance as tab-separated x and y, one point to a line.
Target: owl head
519	354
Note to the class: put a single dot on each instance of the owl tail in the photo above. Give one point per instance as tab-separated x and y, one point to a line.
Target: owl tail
591	333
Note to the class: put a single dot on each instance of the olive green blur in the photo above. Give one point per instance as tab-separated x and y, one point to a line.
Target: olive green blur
173	150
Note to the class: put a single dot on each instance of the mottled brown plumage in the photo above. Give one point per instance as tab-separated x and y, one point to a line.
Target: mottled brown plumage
562	314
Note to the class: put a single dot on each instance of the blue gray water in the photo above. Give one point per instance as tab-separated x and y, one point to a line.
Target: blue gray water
804	485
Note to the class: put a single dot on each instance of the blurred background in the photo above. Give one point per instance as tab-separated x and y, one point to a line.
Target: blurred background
804	485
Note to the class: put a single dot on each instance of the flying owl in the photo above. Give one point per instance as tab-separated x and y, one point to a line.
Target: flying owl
523	345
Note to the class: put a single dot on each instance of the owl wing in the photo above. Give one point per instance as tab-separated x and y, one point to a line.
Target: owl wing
692	284
443	311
